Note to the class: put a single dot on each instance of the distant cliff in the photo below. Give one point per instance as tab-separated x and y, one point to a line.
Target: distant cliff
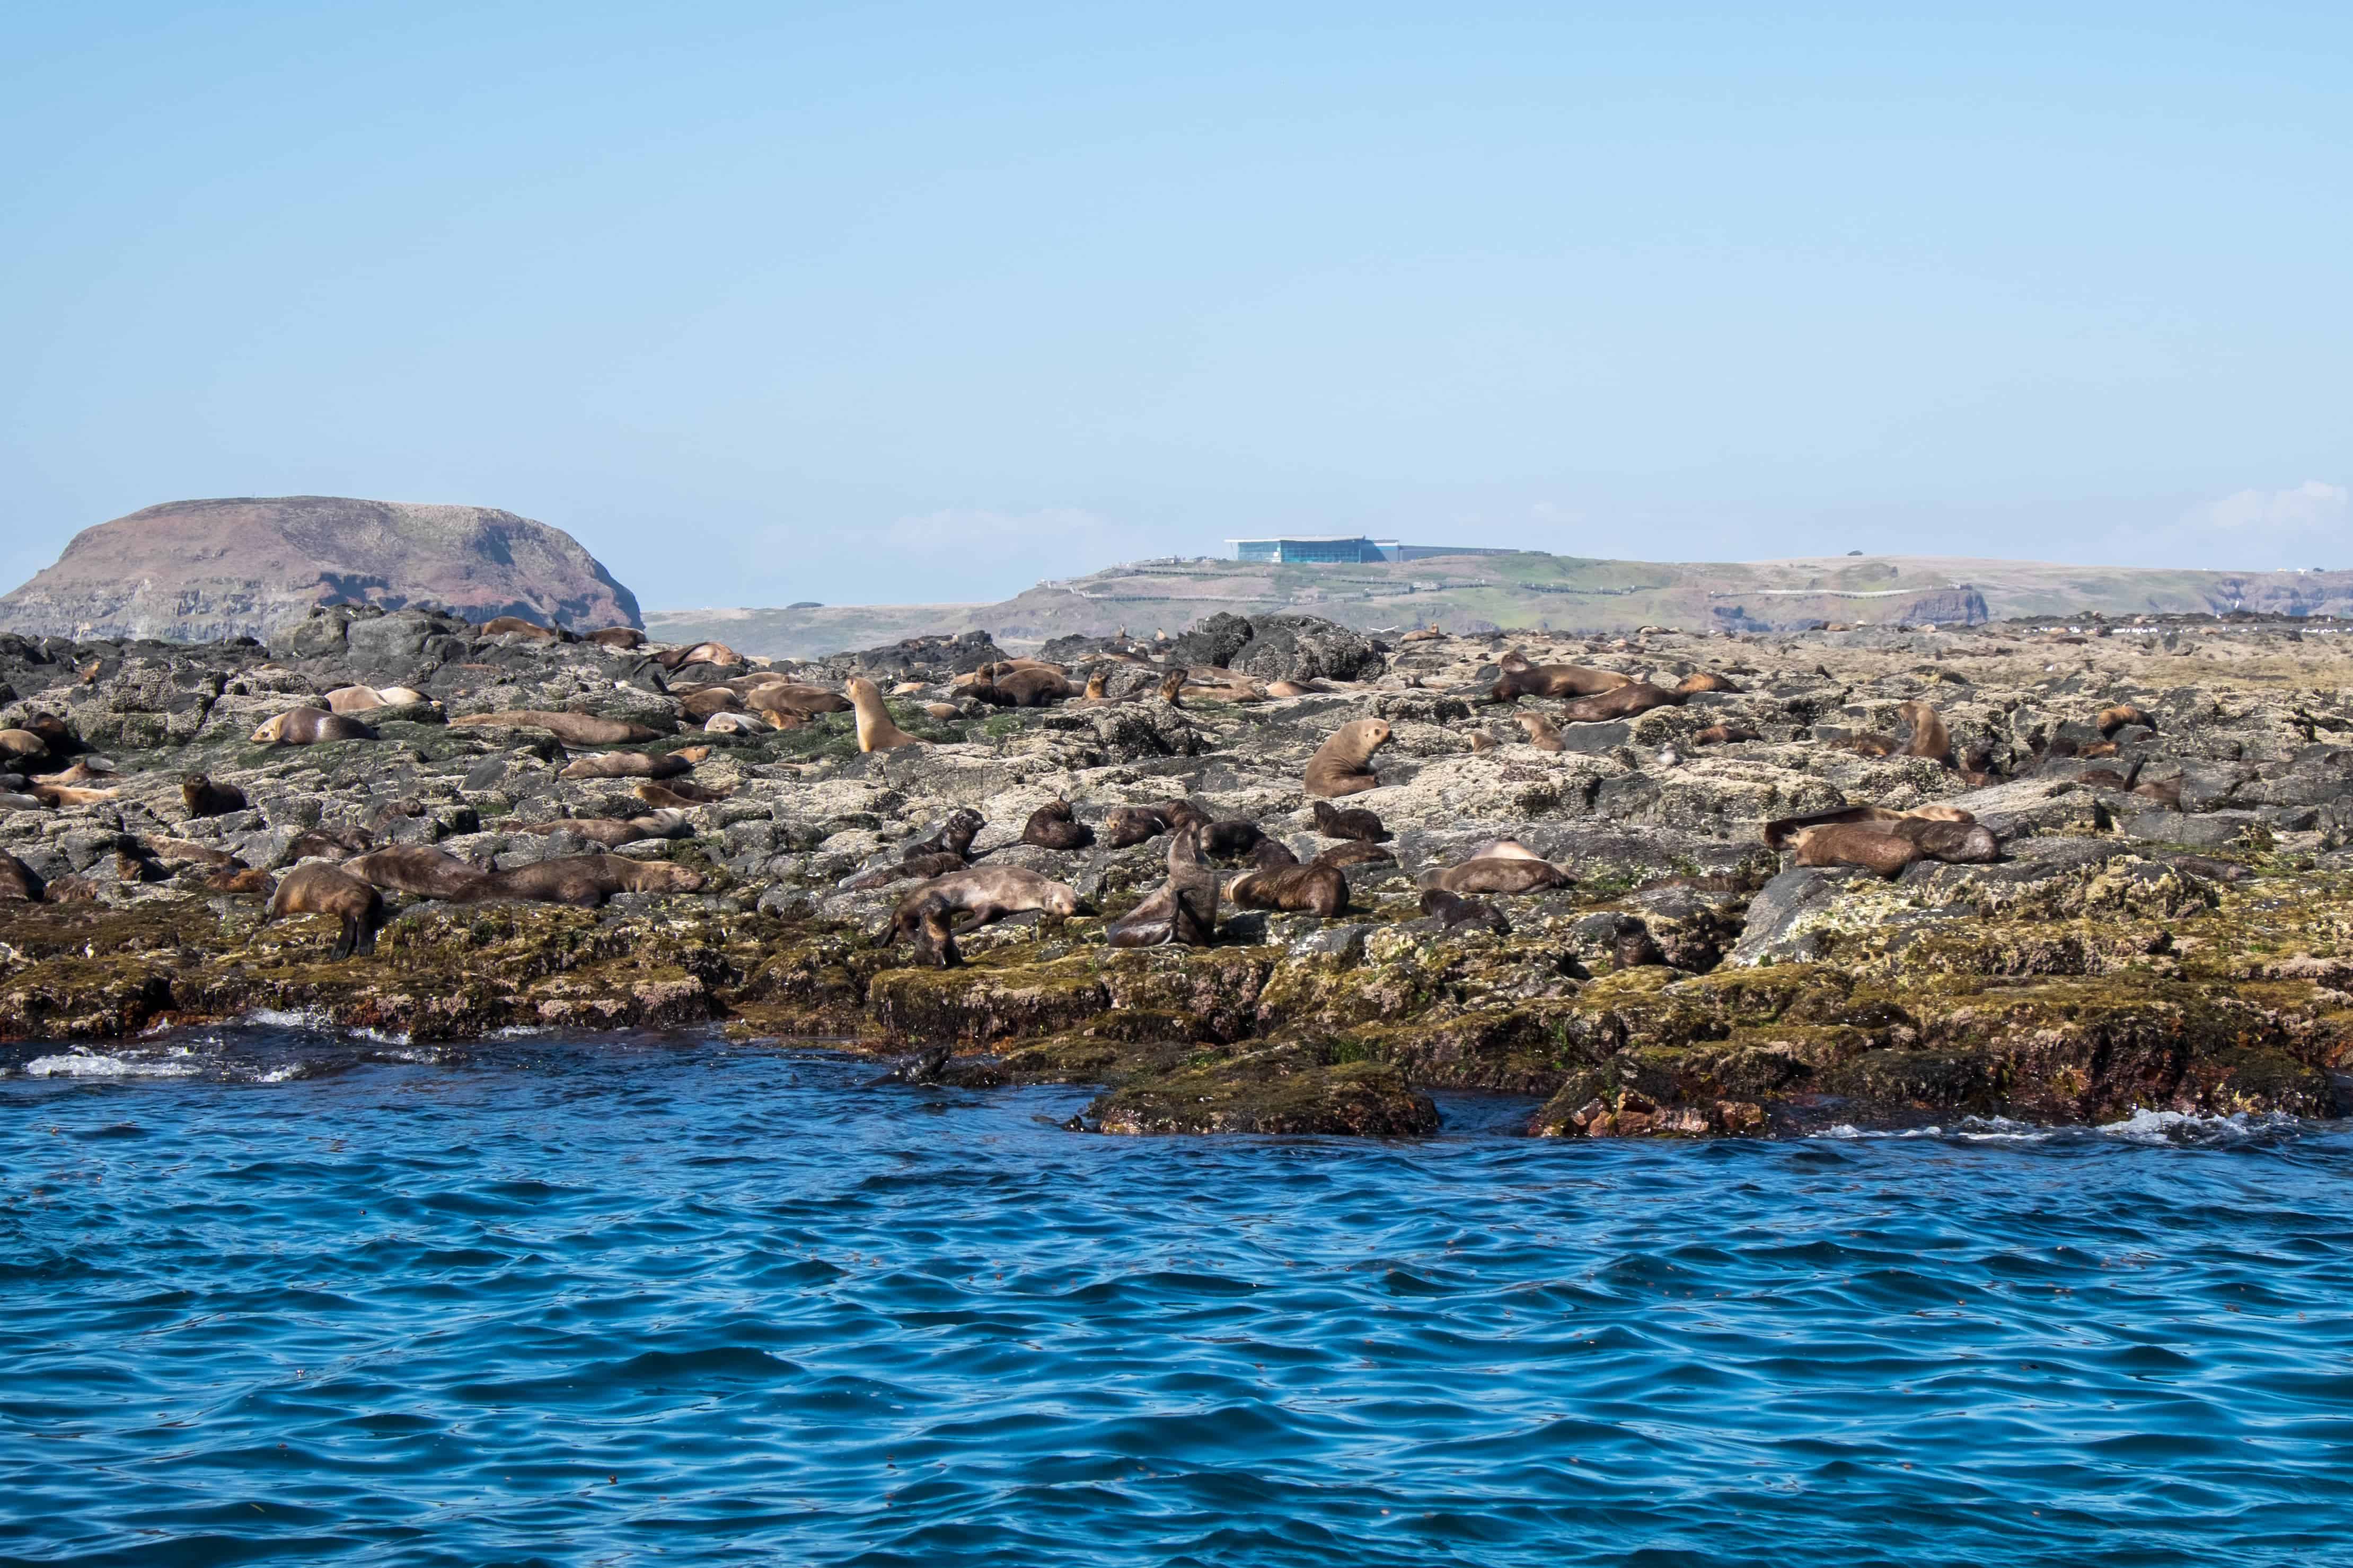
200	570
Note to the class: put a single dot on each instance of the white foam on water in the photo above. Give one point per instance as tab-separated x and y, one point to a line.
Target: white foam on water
2195	1127
283	1018
380	1038
84	1064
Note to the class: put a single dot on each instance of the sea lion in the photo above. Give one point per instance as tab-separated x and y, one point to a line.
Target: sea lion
933	923
1930	738
418	870
618	636
1051	826
1185	910
1542	733
1525	679
1336	822
309	726
330	844
1480	741
516	627
1781	830
586	881
2123	714
1453	911
610	831
989	672
354	699
84	770
1033	688
322	889
1724	735
736	724
56	734
775	696
1276	881
18	881
1955	843
704	701
1870	745
238	881
21	745
1172	688
924	866
1353	854
625	765
678	794
64	795
1290	689
1339	765
1231	840
184	852
953	836
205	798
986	893
1865	845
1180	813
1128	824
1506	866
1706	681
942	712
572	729
1620	703
875	730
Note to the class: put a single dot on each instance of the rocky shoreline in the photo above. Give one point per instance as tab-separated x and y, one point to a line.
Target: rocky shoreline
2165	928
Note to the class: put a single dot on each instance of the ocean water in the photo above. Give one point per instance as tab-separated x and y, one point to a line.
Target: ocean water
276	1295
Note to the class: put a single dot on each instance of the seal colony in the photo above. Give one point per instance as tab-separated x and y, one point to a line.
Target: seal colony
1289	879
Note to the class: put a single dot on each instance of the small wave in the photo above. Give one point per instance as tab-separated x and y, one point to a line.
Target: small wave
288	1018
2202	1128
84	1064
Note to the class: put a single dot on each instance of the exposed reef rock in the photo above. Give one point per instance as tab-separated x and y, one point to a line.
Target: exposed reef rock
2168	924
204	570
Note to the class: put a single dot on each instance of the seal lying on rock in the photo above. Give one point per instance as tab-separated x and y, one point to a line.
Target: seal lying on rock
1542	733
516	627
1353	854
676	794
792	700
420	870
330	844
1340	765
2123	714
1129	824
1724	735
876	732
309	726
624	765
572	729
935	931
986	893
612	832
322	889
953	836
1453	911
21	745
1051	826
1231	840
1184	911
1706	681
205	798
363	699
1621	702
1349	822
1276	881
1032	688
1505	866
923	867
1520	678
618	636
1781	830
587	880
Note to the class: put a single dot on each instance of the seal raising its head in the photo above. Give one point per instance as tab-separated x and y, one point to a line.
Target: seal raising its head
1339	765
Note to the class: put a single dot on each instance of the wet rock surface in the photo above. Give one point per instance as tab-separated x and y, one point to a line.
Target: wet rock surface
2165	928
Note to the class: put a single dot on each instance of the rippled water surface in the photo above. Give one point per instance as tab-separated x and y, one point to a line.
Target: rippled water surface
271	1296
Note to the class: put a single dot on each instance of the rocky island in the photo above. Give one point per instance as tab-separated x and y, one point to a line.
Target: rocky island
1673	884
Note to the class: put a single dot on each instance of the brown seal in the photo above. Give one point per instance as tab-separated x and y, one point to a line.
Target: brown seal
1482	742
1184	911
1128	824
1338	822
876	732
1340	765
1505	867
953	836
418	870
612	832
711	653
986	893
2112	719
702	701
1278	881
933	923
625	765
1032	688
238	881
1542	733
1353	854
1865	845
618	636
923	867
1725	735
1051	826
205	798
676	795
1781	830
309	726
1521	678
1706	681
62	795
1930	738
330	844
515	626
1452	909
323	889
586	881
21	745
1172	688
1620	703
18	881
1232	840
794	700
572	729
184	852
736	725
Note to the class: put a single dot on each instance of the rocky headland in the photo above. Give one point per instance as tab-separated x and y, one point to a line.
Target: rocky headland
205	571
1564	887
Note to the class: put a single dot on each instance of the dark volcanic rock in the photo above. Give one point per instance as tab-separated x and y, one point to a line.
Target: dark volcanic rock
199	570
1279	647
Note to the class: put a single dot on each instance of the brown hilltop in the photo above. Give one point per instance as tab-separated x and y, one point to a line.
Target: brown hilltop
196	571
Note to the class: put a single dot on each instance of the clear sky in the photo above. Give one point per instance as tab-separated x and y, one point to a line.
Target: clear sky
914	302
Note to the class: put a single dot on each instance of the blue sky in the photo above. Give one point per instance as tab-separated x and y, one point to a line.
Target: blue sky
910	302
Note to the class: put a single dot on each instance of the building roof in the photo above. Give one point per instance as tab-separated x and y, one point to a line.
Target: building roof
1308	539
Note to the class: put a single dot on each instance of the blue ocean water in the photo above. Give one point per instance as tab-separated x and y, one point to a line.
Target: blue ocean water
273	1295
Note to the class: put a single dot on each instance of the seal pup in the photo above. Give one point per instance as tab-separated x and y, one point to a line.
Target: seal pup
986	893
572	729
586	881
934	923
1452	910
1620	703
702	702
18	882
625	765
1231	840
1128	824
1184	911
2112	719
1542	733
1700	680
736	724
1930	738
1339	822
1482	742
1505	867
953	836
1725	735
1353	854
205	798
318	889
419	871
309	726
875	730
1340	765
678	794
1051	826
1276	881
330	844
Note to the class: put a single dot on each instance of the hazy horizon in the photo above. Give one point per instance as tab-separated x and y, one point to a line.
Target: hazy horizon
913	304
